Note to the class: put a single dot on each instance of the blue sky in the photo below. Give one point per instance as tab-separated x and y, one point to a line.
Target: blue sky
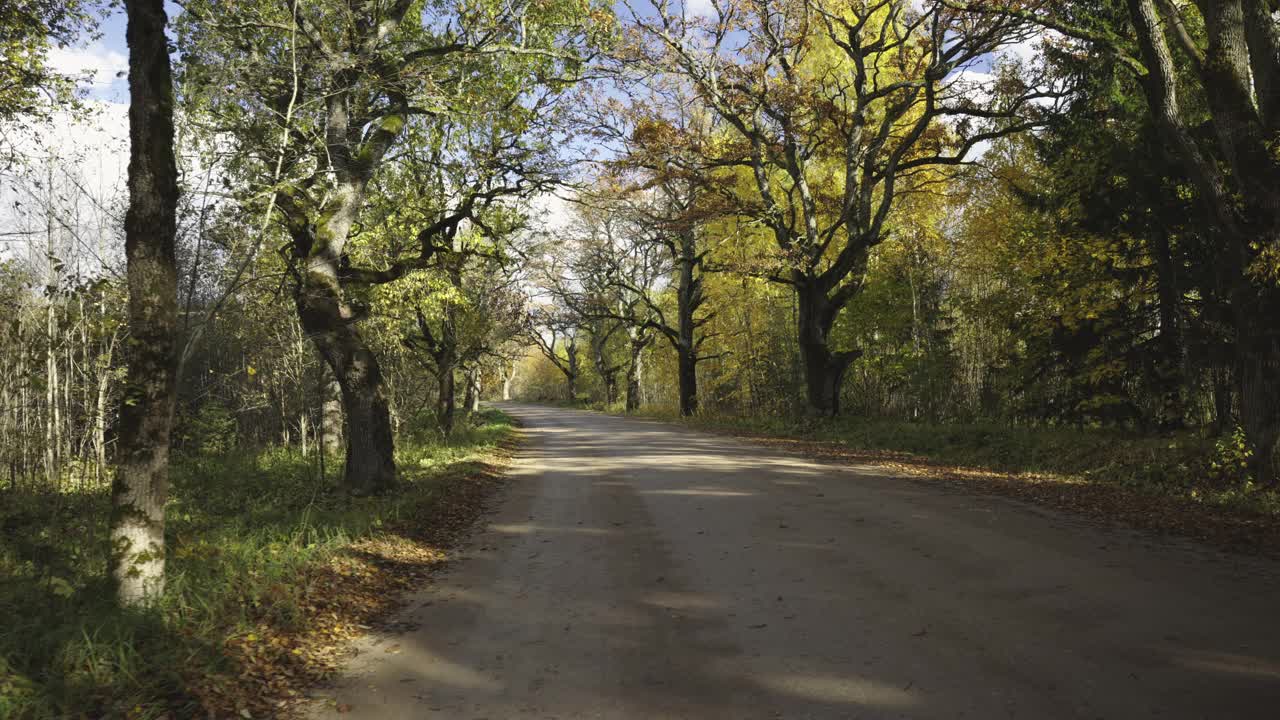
107	57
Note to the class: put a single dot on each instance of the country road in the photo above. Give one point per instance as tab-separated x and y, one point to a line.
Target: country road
634	569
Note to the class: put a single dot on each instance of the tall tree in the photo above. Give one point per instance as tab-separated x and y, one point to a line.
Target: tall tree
555	334
1210	71
638	247
460	319
838	108
346	83
141	483
667	189
619	267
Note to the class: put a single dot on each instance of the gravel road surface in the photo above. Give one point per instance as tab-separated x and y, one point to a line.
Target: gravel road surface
635	569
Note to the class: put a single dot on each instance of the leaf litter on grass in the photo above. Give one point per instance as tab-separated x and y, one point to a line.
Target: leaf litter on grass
347	595
1094	499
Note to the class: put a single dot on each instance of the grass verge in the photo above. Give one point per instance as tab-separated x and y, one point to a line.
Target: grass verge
271	570
1187	485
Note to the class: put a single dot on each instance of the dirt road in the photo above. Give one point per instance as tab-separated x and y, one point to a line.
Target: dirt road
639	570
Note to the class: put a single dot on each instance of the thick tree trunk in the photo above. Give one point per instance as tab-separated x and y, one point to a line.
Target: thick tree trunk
824	370
1237	183
608	374
687	369
370	464
446	397
1258	348
635	367
331	418
471	400
141	484
688	299
508	378
571	370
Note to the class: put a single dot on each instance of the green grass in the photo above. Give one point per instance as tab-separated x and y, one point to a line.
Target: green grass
1188	465
242	530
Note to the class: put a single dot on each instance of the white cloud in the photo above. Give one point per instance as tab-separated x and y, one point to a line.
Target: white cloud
102	65
551	212
1025	51
88	154
699	8
98	145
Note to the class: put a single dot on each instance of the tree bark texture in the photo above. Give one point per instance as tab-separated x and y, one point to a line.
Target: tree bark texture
635	368
446	397
141	484
331	418
824	369
508	377
689	298
471	400
687	367
329	321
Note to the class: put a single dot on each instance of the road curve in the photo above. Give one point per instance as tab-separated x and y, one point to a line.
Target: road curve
636	569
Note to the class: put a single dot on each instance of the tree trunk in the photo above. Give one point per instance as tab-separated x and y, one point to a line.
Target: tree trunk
446	397
100	410
608	374
688	299
687	368
141	484
471	399
1171	365
370	465
824	370
1258	346
468	392
1223	391
572	372
51	444
634	370
331	418
1237	184
50	392
507	379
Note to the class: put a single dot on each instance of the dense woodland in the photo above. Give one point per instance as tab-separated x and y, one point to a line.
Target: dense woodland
346	223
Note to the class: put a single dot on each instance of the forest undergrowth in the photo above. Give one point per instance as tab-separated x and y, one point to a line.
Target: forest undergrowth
271	570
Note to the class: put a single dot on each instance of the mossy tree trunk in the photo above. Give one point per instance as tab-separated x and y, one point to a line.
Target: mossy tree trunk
140	487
